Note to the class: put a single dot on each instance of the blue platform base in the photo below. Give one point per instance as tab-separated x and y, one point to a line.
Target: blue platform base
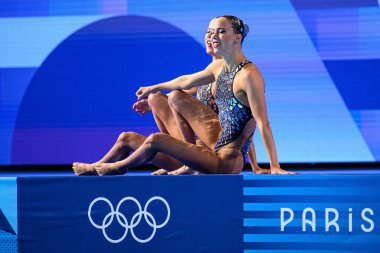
208	213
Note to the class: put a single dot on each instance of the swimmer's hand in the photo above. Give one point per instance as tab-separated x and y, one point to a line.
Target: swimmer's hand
141	107
278	170
258	170
143	92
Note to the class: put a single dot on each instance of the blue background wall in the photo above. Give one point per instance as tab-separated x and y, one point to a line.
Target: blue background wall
69	71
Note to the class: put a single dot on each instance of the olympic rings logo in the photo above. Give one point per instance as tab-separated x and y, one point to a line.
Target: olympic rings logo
136	218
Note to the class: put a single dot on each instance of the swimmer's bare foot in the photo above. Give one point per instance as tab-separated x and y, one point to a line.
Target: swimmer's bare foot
109	169
160	172
84	169
259	171
184	170
281	171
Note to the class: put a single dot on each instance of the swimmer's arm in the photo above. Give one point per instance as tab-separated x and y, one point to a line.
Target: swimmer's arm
252	156
184	82
252	159
254	88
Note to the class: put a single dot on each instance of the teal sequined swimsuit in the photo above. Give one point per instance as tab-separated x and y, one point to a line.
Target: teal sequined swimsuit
233	116
204	95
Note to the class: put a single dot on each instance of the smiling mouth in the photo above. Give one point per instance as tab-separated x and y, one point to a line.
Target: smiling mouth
208	43
215	44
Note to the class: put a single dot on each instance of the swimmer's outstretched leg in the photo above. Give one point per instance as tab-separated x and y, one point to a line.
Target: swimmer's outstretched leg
103	169
84	169
159	172
184	170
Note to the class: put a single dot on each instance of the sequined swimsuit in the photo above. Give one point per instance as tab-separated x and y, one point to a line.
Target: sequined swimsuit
233	116
204	94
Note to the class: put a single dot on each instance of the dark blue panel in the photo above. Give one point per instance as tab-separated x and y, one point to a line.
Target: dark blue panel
313	181
13	83
309	198
307	4
306	246
53	214
90	80
28	8
73	7
15	78
12	8
353	200
357	81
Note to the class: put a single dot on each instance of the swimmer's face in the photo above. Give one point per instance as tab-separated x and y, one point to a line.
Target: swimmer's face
223	36
208	41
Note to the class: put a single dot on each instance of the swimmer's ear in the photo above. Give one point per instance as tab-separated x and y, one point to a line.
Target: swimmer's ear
238	38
